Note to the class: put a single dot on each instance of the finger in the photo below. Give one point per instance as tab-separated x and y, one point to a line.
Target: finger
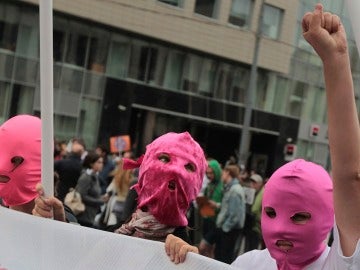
40	189
179	244
43	205
306	21
317	19
183	251
176	258
328	21
336	23
55	203
38	211
168	239
170	246
58	212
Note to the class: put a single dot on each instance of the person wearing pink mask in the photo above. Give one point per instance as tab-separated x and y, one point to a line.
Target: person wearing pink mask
170	178
20	169
300	199
20	161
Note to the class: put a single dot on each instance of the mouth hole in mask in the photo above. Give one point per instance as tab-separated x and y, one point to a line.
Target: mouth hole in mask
172	185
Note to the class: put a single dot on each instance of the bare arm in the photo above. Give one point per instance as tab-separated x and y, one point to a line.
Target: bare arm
326	34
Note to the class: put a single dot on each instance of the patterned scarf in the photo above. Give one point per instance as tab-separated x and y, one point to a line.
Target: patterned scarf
144	225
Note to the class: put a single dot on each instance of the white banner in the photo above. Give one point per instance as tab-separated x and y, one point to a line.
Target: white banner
32	243
353	7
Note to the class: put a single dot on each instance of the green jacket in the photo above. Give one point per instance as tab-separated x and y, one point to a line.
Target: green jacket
256	210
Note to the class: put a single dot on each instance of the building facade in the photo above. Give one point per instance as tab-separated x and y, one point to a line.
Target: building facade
144	68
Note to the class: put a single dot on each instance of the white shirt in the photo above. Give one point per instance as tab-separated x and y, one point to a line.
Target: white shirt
331	259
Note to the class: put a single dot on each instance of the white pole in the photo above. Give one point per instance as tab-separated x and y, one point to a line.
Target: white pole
46	96
353	7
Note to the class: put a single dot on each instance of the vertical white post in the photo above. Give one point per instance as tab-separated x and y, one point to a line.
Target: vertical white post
46	95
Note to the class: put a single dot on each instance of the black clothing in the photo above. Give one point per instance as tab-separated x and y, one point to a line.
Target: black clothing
69	215
69	170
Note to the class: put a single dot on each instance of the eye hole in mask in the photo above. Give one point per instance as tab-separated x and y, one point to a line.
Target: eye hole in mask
270	212
190	167
164	158
301	218
16	161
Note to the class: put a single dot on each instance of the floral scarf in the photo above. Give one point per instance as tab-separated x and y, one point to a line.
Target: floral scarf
144	225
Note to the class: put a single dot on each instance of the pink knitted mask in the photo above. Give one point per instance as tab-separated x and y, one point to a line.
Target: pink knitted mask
20	139
170	177
298	186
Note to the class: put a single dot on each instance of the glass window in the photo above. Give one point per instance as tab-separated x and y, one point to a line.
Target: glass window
223	81
297	97
334	6
315	106
64	127
271	21
239	85
76	44
28	39
240	13
277	95
207	77
176	3
261	89
26	70
99	46
59	37
71	78
207	8
354	56
90	114
22	100
58	45
305	149
4	100
118	59
94	84
191	73
139	60
157	63
9	24
6	64
174	69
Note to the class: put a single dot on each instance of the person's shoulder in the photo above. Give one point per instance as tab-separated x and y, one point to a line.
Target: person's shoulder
237	188
255	259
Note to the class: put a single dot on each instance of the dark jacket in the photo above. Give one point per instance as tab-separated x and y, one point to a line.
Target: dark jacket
69	170
89	188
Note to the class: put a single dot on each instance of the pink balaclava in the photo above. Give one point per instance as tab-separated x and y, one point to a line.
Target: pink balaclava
170	177
20	159
298	186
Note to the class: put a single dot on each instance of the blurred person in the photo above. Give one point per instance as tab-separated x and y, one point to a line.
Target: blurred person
69	169
20	167
118	190
253	234
59	150
20	161
109	165
231	217
89	188
231	161
209	208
